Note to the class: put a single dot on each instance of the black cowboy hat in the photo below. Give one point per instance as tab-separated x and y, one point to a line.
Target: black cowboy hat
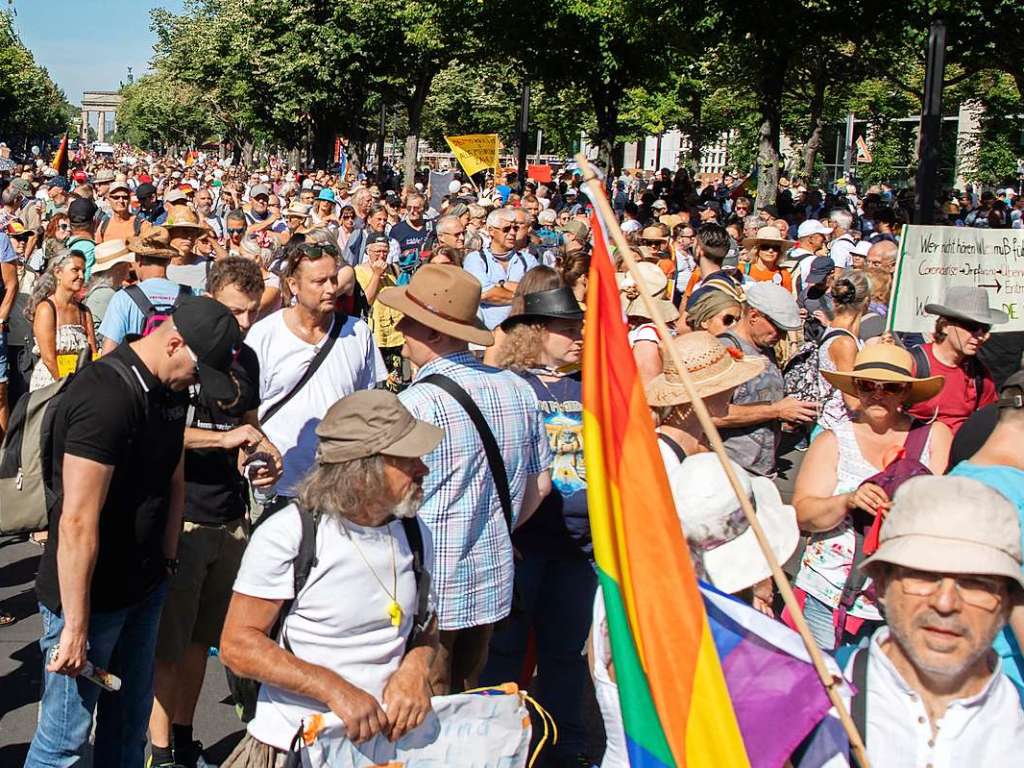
555	304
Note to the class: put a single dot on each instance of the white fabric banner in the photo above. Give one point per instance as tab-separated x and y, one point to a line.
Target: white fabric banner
931	259
469	730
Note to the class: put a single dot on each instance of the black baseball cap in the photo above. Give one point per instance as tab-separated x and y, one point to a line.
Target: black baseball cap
377	237
213	335
144	190
81	211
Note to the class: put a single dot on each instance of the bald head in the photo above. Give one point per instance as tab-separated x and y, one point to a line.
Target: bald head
882	255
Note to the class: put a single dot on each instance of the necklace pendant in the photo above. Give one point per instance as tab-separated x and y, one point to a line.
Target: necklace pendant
395	612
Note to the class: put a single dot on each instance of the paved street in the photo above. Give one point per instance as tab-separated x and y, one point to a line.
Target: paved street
20	672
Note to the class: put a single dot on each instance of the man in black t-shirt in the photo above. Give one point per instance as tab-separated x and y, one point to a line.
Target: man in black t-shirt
118	473
408	235
219	438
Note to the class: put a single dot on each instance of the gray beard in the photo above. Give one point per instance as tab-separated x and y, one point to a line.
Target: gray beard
409	505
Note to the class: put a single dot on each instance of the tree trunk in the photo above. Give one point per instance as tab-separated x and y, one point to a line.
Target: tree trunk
696	133
605	98
817	123
414	108
771	86
247	153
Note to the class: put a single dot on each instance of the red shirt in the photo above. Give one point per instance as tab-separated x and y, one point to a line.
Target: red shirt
958	398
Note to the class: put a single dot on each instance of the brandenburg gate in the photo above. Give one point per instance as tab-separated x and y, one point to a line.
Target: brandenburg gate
102	102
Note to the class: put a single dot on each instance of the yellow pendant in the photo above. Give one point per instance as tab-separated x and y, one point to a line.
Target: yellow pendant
395	612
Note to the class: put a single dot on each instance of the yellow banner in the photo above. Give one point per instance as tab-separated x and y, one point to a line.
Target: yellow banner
475	152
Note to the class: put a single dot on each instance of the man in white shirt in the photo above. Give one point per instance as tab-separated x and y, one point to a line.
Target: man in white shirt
842	240
286	344
339	571
811	237
947	574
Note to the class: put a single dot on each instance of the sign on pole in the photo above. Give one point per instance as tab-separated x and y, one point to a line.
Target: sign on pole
931	259
475	152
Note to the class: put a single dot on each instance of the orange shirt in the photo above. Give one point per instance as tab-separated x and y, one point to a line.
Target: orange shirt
759	274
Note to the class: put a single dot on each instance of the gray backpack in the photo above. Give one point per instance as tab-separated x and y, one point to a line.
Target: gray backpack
26	455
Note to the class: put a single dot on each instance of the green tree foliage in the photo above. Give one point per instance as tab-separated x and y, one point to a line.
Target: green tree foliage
162	112
32	107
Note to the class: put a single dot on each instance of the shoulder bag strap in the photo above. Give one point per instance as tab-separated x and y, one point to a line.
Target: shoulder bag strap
922	368
859	704
917	438
314	365
137	295
494	460
675	447
411	527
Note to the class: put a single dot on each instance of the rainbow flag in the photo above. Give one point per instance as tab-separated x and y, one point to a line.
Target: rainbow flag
675	704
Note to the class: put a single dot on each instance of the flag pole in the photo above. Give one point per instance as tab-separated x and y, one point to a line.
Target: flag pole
595	191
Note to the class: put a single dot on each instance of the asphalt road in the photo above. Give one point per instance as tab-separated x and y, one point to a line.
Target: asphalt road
21	669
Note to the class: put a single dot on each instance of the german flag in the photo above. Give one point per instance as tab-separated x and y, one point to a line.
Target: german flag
60	157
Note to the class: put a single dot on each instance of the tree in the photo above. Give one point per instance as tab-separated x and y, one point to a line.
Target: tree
159	111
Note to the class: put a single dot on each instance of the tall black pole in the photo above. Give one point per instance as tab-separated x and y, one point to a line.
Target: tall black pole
931	124
380	140
524	130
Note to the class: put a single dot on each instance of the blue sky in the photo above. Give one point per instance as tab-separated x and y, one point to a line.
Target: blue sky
88	45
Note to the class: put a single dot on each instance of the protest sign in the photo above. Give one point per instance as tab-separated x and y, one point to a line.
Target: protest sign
475	152
471	730
931	259
541	173
439	181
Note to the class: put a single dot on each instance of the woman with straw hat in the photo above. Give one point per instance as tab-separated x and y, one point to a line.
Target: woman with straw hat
643	332
766	249
716	371
835	504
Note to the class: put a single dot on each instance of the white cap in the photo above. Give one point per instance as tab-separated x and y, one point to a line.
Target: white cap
454	187
307	184
812	227
861	248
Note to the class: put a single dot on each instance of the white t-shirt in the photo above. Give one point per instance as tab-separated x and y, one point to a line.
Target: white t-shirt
340	618
353	364
192	275
839	251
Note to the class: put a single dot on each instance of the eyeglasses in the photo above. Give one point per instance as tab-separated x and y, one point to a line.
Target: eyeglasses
869	387
973	328
63	225
979	591
119	197
236	230
503	229
775	248
195	359
728	320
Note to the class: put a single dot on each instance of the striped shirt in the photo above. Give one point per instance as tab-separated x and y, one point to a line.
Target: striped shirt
473	568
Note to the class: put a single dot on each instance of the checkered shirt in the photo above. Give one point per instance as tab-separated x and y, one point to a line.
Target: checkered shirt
473	568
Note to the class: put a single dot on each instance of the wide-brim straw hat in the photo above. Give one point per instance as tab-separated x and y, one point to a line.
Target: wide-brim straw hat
445	298
183	218
110	253
966	302
652	281
154	242
716	527
712	366
637	308
886	363
769	236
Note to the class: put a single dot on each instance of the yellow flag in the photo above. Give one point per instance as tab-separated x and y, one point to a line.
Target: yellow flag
475	152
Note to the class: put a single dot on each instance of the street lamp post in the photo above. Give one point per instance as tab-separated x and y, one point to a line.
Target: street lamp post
931	124
524	129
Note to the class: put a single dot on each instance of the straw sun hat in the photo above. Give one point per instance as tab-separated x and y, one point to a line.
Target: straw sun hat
713	368
886	363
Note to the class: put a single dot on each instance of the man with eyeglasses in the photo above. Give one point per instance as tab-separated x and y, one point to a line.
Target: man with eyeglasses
947	573
498	267
753	426
260	217
150	208
121	224
964	322
451	233
407	236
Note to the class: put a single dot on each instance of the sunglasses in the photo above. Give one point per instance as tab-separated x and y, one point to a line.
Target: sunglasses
775	248
973	328
869	387
236	230
728	320
503	229
119	197
63	225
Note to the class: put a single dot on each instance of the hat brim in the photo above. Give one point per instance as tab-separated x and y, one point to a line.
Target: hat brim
218	385
992	317
125	257
752	241
661	392
474	333
540	317
637	308
184	225
944	555
920	389
740	563
421	440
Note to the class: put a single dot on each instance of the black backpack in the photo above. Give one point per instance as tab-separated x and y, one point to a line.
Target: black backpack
245	691
153	315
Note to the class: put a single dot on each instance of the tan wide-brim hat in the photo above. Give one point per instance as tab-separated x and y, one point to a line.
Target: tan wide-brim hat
111	252
652	280
445	298
769	236
183	218
885	362
712	366
154	242
372	422
637	308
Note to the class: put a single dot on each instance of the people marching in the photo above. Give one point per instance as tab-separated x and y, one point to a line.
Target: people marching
333	429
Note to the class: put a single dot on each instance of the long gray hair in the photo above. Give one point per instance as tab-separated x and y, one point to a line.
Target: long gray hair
345	489
46	283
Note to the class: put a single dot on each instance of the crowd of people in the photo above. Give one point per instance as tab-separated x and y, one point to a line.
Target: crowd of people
333	427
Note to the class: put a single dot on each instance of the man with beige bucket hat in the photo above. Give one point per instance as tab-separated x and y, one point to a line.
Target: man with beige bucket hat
488	474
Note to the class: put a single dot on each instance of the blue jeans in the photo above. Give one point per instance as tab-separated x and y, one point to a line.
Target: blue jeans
819	620
123	642
557	601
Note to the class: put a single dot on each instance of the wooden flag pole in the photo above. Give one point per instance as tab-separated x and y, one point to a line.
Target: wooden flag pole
595	192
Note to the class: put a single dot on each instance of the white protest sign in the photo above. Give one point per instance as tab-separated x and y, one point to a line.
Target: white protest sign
469	730
931	259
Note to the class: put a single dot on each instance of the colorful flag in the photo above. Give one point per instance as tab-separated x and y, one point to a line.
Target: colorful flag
60	157
675	704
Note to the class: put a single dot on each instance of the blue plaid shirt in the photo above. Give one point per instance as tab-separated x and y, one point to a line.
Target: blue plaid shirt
473	568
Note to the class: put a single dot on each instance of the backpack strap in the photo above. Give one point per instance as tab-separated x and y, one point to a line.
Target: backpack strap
922	366
137	295
304	562
423	615
859	703
494	459
673	446
184	290
137	223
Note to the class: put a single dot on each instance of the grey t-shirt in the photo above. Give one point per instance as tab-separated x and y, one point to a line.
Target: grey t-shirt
753	447
192	275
